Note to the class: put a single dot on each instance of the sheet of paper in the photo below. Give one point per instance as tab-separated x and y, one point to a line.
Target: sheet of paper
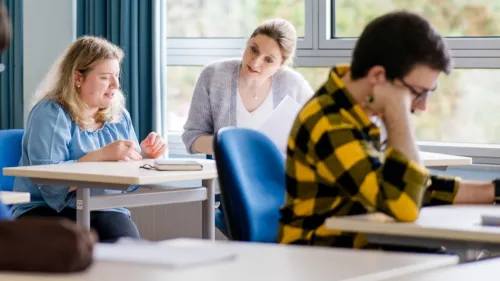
277	127
162	255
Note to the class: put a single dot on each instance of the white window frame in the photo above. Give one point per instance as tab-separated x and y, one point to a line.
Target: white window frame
316	49
327	42
238	43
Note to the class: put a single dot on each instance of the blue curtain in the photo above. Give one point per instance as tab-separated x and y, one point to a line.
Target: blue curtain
138	27
11	79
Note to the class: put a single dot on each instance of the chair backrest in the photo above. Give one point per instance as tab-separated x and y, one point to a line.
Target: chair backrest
10	154
251	172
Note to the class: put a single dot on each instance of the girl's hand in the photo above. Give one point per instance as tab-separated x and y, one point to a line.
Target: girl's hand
153	146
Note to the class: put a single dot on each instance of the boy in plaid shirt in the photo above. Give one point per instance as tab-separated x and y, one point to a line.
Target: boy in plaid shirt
335	164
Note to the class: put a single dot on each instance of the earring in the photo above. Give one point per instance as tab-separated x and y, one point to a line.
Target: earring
368	100
78	85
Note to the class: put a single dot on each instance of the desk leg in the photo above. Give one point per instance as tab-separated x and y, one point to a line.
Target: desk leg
82	207
208	206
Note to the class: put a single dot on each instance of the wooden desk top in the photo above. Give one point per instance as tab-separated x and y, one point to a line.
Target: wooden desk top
113	172
263	262
451	222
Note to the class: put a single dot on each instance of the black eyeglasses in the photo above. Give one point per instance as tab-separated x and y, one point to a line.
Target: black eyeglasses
419	94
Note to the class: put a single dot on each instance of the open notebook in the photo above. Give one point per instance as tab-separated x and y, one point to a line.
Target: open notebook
163	255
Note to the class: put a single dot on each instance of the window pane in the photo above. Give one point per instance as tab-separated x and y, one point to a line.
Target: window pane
316	76
229	18
453	18
181	81
463	109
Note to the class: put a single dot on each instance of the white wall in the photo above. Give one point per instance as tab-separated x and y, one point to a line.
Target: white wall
49	26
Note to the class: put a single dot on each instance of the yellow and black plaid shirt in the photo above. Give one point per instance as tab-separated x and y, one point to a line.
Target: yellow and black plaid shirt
335	167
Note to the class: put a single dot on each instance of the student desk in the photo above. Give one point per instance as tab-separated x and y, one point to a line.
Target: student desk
481	270
11	197
456	227
262	262
120	175
443	161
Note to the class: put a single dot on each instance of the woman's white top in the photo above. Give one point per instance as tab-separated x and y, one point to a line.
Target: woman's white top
254	119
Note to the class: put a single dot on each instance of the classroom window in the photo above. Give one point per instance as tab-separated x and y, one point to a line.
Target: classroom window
453	18
462	110
229	18
181	81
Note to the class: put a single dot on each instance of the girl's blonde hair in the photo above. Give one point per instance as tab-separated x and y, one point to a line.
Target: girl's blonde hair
59	84
284	33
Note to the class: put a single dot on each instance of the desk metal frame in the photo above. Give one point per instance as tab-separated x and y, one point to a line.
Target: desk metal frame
159	195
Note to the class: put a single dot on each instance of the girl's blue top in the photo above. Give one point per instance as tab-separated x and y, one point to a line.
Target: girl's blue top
52	137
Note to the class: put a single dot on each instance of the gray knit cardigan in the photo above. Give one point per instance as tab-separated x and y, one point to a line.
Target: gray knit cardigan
213	105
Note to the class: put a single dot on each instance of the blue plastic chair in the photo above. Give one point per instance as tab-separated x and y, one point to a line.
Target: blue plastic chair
10	154
251	173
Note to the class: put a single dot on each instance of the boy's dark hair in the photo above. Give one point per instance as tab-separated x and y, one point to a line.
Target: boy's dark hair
4	27
399	41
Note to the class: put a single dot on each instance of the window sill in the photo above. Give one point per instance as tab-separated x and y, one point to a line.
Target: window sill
485	154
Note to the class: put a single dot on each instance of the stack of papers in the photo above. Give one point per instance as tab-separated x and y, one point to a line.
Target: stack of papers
157	254
278	126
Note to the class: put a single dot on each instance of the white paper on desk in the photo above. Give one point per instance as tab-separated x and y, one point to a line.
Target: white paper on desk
277	127
162	255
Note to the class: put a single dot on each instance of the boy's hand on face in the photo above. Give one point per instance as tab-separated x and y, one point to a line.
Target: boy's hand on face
389	99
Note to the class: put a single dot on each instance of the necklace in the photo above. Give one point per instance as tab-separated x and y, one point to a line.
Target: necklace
254	91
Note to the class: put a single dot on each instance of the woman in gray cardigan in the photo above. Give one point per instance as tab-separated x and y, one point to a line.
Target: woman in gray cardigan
243	92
